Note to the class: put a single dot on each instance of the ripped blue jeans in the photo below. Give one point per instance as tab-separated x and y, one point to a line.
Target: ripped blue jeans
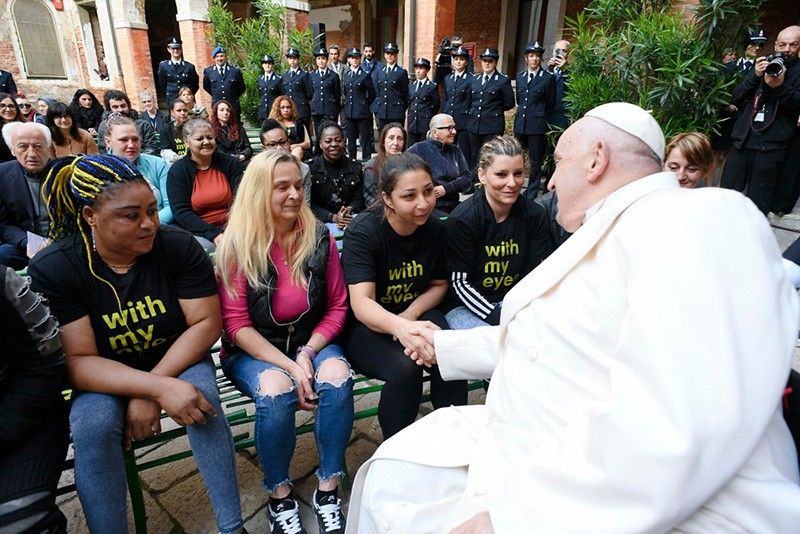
275	416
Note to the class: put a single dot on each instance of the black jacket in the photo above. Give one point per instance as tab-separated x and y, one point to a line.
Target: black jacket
535	100
17	213
423	104
297	86
180	182
229	86
781	105
171	76
287	337
156	122
448	168
458	98
7	84
489	102
327	93
359	93
329	193
268	90
391	93
234	148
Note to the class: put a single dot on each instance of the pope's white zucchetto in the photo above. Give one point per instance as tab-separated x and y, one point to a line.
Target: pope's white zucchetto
633	120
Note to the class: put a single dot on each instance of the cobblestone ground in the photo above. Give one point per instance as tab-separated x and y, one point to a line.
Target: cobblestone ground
175	497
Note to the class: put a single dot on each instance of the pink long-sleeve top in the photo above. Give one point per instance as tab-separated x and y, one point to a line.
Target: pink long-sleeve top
289	301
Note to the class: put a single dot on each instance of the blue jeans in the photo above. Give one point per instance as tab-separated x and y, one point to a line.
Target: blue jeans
274	429
98	423
462	318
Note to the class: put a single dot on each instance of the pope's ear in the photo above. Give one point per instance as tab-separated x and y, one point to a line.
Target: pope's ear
599	162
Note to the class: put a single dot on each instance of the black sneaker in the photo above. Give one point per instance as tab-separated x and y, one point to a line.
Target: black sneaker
329	514
285	519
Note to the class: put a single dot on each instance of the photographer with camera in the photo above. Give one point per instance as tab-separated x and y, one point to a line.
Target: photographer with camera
769	98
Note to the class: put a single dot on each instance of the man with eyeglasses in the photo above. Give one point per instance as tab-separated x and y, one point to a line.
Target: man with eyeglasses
274	137
449	170
22	210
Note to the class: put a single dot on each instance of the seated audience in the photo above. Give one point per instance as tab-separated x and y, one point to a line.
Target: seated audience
9	112
22	210
391	142
139	313
34	432
201	185
285	112
336	181
87	110
122	139
229	132
451	174
68	138
284	304
394	266
43	103
274	137
495	237
171	136
150	111
691	158
118	102
196	111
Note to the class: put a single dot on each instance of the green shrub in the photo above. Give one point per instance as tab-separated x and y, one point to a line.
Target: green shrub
246	41
647	53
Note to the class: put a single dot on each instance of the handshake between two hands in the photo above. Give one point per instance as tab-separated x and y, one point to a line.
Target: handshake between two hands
417	339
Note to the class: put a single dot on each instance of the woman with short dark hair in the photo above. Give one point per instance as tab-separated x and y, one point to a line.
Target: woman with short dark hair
68	138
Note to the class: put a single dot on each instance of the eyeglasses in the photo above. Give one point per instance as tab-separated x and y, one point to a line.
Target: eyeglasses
276	144
23	106
452	128
8	106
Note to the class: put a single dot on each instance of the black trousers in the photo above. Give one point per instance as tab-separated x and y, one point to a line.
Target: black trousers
415	138
534	144
787	189
462	140
29	474
361	130
379	356
756	171
383	122
475	143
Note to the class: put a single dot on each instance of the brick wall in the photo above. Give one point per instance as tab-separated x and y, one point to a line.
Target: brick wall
342	21
478	22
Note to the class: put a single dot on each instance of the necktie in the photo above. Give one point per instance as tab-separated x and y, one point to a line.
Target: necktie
485	79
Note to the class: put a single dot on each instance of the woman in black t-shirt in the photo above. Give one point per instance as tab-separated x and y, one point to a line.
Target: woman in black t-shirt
494	238
139	312
393	266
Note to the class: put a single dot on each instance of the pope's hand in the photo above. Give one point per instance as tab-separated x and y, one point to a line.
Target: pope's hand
479	524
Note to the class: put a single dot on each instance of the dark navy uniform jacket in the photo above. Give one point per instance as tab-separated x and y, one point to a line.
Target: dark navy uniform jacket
297	86
359	93
327	93
228	86
172	75
422	106
391	93
535	100
268	89
488	104
7	84
458	98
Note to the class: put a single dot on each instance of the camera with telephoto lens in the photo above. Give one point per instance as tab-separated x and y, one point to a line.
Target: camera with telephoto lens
775	65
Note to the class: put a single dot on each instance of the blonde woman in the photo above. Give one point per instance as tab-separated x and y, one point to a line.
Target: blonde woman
284	303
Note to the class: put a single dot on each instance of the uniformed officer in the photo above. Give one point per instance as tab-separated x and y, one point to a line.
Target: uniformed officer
175	72
326	96
754	43
458	97
391	89
536	96
491	97
457	41
297	86
356	117
423	102
7	84
223	81
270	86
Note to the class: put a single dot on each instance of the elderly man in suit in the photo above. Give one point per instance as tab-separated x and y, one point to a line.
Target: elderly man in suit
649	402
22	209
536	94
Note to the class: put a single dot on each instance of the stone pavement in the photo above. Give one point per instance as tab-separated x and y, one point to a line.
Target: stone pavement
175	496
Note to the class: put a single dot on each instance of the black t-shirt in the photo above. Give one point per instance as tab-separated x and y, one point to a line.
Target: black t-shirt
401	267
489	258
176	268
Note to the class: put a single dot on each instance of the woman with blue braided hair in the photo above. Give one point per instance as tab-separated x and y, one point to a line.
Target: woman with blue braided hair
139	312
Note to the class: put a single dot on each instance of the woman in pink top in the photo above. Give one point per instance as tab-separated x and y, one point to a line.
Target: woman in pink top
281	317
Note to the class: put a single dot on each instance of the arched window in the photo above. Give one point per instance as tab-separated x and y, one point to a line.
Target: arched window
38	39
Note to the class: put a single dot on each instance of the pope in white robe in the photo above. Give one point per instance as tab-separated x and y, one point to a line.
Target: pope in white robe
637	373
